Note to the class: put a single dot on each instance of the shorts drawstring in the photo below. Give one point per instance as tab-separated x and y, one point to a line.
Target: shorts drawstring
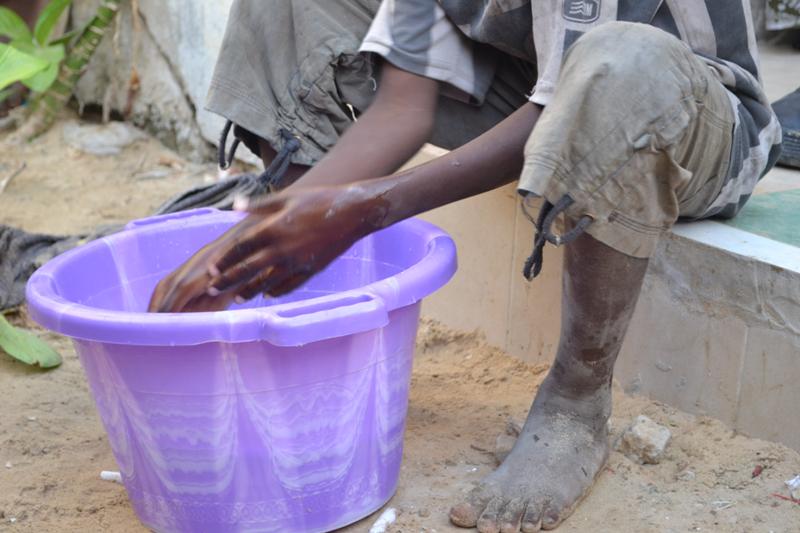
225	162
271	178
544	224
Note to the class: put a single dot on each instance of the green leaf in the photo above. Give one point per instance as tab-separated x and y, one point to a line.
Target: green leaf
42	80
12	25
16	65
48	19
54	54
67	37
26	347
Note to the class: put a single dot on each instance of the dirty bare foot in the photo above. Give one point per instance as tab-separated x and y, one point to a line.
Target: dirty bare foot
562	448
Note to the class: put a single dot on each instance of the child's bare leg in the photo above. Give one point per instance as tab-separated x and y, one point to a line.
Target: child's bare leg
563	445
633	166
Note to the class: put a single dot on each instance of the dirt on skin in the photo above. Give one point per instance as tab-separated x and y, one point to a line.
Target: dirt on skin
52	445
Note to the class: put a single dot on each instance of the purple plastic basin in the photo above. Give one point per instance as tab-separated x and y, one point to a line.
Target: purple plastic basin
277	415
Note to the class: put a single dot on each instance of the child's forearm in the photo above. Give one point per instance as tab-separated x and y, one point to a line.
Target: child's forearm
388	134
490	161
291	235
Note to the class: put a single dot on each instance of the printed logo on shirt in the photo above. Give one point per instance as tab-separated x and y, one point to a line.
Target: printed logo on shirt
582	10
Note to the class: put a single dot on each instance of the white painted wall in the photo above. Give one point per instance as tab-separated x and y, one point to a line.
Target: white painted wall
172	45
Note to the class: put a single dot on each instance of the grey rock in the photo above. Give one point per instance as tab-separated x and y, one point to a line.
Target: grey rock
173	53
644	441
514	427
794	487
502	446
100	139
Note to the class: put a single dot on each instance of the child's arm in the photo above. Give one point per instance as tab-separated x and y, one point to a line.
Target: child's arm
290	236
394	127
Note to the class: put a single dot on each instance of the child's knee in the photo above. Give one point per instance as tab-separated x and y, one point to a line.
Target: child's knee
626	51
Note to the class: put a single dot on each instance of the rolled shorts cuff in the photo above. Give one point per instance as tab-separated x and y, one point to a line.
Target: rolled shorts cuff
609	224
229	101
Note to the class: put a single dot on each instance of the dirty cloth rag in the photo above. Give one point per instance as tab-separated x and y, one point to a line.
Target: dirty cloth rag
21	253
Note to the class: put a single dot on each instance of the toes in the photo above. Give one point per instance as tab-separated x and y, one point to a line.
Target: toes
553	516
532	519
466	514
488	522
511	517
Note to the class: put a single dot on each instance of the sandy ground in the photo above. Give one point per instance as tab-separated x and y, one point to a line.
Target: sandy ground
52	446
62	190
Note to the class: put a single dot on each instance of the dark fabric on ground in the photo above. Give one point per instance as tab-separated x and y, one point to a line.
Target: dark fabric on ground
21	253
220	194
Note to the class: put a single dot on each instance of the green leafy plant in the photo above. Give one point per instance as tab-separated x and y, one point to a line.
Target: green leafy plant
31	57
26	347
80	46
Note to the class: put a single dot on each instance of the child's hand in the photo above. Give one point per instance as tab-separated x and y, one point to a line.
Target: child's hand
284	241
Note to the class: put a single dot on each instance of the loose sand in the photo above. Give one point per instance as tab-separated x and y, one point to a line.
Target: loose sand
52	446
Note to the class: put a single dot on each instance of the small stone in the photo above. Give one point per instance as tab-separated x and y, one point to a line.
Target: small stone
502	446
664	367
100	139
794	487
644	441
721	505
155	174
505	441
424	513
514	427
8	464
686	475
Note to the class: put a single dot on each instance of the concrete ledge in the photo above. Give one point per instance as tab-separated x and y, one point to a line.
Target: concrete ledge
717	330
741	243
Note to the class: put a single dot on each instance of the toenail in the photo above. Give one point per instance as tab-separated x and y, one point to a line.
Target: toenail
508	527
550	521
487	526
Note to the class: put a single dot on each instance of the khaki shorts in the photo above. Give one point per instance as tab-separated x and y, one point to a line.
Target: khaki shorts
638	133
296	66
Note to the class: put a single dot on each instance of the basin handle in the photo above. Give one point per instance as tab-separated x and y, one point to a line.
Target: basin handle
160	219
324	318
